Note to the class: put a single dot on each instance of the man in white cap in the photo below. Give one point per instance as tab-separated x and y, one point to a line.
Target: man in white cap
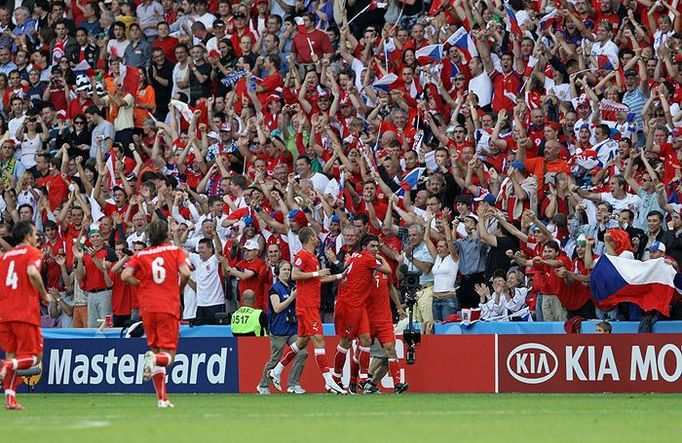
252	272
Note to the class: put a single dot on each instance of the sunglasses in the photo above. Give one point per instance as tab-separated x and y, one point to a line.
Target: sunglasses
79	123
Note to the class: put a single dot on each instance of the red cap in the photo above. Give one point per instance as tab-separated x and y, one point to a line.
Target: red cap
214	53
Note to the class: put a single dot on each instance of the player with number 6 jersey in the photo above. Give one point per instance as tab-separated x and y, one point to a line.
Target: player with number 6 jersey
160	272
20	297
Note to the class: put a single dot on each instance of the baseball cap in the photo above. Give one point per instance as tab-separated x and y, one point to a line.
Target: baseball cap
631	73
518	165
218	23
251	244
656	246
487	197
213	134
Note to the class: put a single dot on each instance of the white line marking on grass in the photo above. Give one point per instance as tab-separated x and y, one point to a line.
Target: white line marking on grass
88	424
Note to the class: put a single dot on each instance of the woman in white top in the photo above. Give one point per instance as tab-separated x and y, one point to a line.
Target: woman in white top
444	270
30	140
508	297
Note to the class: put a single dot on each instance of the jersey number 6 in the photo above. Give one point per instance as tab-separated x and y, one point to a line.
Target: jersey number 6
158	271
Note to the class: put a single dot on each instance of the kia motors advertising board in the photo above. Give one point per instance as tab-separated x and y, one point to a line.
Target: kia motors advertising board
115	365
590	363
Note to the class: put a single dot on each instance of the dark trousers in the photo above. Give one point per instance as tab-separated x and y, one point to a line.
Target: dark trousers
206	314
468	298
585	311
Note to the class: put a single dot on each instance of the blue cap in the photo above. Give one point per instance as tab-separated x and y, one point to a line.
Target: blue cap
487	197
518	165
656	246
248	220
335	218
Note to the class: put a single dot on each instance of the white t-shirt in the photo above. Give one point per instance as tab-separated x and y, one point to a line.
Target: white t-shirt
320	181
631	202
209	286
482	87
444	272
116	48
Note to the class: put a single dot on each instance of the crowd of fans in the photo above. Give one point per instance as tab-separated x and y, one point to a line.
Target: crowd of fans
492	164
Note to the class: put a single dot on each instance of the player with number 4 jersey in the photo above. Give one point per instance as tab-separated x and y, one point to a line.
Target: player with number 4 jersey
160	272
20	297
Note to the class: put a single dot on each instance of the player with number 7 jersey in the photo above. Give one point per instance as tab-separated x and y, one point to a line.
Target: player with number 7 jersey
160	272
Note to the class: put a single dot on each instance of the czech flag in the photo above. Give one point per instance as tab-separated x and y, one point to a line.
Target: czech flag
603	62
548	20
411	179
650	284
429	54
129	78
386	83
462	40
512	24
300	25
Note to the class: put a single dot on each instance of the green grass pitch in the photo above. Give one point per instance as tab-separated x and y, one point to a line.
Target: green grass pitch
325	418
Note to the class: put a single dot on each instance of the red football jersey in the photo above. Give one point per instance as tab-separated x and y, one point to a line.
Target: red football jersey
307	291
157	269
361	266
19	300
378	303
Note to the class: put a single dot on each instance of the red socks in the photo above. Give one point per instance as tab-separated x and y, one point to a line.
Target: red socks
159	380
286	359
162	359
394	370
339	360
321	359
22	363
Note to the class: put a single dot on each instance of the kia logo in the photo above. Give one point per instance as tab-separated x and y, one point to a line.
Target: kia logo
532	363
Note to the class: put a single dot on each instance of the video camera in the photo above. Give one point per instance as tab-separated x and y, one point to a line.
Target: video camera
412	336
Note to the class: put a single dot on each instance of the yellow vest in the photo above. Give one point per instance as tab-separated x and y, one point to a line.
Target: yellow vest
246	320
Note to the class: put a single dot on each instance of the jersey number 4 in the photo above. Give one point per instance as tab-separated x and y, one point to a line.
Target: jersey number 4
158	271
12	279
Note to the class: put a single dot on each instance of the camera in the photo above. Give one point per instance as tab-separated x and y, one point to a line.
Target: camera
411	335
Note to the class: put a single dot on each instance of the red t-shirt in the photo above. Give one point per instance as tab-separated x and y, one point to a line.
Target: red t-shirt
19	300
378	303
167	46
94	278
255	283
52	269
157	268
57	189
319	40
307	291
120	295
361	266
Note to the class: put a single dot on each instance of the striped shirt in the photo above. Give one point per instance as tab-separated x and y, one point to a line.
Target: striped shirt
635	100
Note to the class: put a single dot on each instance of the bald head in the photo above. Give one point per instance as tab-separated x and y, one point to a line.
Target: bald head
248	298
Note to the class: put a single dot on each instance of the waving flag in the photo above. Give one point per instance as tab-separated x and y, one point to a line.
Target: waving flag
650	284
454	70
512	23
603	62
129	78
462	40
389	48
300	25
429	54
184	110
548	20
386	83
410	180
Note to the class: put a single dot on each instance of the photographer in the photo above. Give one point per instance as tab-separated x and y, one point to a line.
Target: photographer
417	259
283	327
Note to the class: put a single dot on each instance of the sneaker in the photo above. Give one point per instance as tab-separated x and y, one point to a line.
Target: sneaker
295	389
12	405
148	367
333	387
352	388
368	387
275	379
263	390
165	404
401	387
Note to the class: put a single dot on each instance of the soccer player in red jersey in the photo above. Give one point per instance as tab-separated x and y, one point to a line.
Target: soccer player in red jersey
381	328
350	313
161	272
20	297
309	278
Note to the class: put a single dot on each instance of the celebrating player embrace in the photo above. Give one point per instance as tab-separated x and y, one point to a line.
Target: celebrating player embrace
20	297
161	272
